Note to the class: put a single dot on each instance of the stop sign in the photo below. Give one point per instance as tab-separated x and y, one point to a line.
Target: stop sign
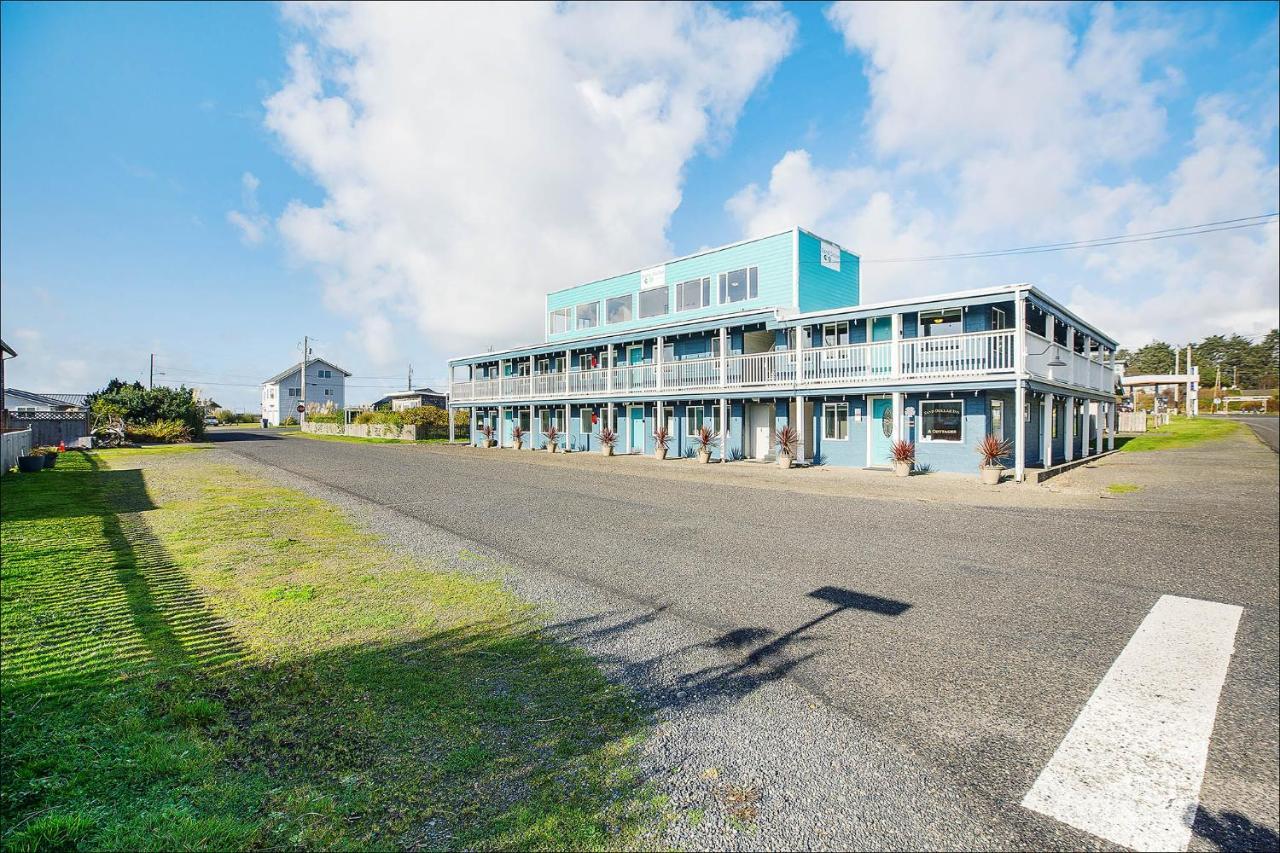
301	408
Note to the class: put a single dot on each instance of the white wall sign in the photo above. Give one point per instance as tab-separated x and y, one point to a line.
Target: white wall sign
653	277
830	256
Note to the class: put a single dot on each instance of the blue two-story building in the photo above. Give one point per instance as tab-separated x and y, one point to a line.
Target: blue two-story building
752	336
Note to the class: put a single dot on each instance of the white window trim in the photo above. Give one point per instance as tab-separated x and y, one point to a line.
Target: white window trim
722	285
1004	318
994	406
631	363
691	426
577	321
568	321
630	297
707	303
920	429
640	302
836	406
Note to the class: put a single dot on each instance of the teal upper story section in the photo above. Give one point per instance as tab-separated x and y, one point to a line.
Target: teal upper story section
791	270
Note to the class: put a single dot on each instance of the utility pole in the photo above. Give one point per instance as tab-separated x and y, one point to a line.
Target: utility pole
151	375
1217	393
302	378
409	387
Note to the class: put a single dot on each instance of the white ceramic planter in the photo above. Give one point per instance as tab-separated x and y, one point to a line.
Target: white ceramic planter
902	469
991	475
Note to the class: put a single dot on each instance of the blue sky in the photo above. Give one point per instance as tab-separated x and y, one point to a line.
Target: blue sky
210	182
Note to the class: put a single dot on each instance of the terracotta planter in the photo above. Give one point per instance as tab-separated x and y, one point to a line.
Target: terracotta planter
784	460
660	453
606	450
902	469
991	475
704	456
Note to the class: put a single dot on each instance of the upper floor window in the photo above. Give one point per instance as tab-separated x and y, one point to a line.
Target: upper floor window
559	320
324	374
835	334
617	309
694	293
999	320
328	392
654	302
948	321
588	315
739	285
295	392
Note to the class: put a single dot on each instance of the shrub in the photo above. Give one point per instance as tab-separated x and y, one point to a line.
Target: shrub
327	418
289	421
162	431
137	405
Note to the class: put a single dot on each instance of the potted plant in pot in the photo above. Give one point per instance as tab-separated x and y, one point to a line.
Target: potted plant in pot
32	462
487	432
705	440
608	438
787	440
661	438
553	438
49	455
517	436
992	449
903	454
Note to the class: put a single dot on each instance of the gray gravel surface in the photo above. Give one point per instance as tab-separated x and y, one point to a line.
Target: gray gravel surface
853	674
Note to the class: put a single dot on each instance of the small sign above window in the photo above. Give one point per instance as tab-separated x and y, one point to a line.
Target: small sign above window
831	256
653	277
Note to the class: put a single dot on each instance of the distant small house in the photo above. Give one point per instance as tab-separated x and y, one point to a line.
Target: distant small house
411	399
16	400
283	393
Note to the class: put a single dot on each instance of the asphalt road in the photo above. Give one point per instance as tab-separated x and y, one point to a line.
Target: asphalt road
1267	429
878	673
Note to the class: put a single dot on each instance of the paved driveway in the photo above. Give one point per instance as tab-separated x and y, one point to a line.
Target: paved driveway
1267	428
867	673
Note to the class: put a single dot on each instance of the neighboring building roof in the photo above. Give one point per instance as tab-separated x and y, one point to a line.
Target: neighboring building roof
6	348
282	374
417	392
60	401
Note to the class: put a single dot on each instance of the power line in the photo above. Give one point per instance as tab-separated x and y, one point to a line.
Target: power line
1097	242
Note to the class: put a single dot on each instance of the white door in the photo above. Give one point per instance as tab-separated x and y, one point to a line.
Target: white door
761	429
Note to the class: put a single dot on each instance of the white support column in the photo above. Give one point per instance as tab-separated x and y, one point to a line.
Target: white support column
657	360
1099	410
1070	357
1111	425
502	426
475	423
724	358
452	415
896	350
567	425
898	398
802	427
1019	431
801	334
1069	424
608	368
1020	337
533	429
724	427
1046	431
1085	410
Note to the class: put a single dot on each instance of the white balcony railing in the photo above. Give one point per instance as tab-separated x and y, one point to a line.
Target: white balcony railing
965	355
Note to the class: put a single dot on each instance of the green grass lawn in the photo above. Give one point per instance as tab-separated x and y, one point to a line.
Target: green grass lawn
197	659
1180	432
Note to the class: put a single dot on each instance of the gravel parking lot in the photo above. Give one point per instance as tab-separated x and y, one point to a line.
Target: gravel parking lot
841	669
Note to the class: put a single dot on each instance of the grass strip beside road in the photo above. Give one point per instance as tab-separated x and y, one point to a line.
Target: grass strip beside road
1181	432
194	658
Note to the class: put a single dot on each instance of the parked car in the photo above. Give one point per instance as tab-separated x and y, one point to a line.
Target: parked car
210	420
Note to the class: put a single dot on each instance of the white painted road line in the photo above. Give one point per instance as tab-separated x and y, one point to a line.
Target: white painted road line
1130	768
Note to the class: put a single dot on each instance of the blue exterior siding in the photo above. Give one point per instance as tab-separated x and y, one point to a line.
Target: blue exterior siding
952	456
821	287
772	256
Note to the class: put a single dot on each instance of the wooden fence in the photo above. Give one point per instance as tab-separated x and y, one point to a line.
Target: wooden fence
12	445
49	428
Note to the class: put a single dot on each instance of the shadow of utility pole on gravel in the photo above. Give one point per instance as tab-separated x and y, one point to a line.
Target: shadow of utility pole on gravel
759	661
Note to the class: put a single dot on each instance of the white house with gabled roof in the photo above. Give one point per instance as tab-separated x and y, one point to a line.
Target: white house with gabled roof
283	393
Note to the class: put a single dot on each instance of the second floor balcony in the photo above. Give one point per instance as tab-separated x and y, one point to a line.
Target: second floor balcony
989	354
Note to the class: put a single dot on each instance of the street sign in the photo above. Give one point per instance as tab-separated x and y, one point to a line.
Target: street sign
301	408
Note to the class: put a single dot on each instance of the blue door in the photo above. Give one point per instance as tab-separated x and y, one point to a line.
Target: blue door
635	417
881	430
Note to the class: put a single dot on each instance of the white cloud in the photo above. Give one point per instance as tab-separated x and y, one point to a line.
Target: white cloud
993	126
475	157
252	222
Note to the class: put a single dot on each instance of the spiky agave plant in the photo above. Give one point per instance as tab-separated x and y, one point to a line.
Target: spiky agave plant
706	438
662	437
903	451
608	438
993	448
787	440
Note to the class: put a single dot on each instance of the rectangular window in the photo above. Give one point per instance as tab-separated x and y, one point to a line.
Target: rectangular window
559	321
617	309
550	417
588	315
739	285
948	321
655	302
694	293
587	426
295	392
328	392
325	374
698	416
997	417
942	420
835	334
998	319
835	421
